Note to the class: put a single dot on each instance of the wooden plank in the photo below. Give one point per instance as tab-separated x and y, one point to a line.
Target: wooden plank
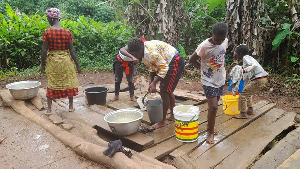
167	132
292	162
274	157
246	153
96	113
230	127
202	128
138	138
162	149
220	151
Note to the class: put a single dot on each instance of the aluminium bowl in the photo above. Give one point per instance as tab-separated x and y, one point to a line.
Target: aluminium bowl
24	90
124	122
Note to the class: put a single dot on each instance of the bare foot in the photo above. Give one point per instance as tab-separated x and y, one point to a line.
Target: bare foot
250	111
215	132
71	109
157	125
210	139
115	98
170	118
132	99
242	115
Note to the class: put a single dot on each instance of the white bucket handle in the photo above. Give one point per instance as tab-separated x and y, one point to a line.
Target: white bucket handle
186	123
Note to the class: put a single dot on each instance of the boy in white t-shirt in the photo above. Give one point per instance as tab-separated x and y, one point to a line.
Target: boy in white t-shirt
254	75
213	74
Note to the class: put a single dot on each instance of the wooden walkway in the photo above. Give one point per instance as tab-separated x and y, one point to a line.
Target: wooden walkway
239	143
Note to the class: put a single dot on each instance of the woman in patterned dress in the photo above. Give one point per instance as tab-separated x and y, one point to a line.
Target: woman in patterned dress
57	61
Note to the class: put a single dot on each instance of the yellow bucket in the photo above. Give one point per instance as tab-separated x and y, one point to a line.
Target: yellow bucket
230	104
186	122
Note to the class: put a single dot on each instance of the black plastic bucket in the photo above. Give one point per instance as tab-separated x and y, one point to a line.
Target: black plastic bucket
96	95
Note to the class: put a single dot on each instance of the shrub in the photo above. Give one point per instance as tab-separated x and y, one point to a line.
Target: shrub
95	43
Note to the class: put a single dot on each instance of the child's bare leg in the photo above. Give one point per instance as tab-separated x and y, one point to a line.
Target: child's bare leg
166	104
211	117
49	102
115	98
132	98
172	105
71	107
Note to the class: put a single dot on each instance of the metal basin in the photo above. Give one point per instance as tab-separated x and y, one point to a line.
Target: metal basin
124	122
23	90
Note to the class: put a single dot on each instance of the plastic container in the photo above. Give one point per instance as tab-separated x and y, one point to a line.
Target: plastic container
186	122
96	95
155	110
230	104
241	86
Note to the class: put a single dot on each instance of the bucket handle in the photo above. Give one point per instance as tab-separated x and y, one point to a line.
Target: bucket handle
186	123
143	99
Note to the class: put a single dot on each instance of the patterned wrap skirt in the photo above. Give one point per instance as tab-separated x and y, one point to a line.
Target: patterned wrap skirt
61	75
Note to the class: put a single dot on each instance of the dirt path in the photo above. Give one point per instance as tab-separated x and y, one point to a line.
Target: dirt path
30	146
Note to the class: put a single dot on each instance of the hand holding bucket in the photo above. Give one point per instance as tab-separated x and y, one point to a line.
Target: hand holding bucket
154	109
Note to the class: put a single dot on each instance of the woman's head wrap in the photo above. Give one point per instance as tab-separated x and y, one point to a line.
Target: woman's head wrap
53	13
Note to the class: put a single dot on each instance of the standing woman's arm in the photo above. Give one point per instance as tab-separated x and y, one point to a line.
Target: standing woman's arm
74	56
45	47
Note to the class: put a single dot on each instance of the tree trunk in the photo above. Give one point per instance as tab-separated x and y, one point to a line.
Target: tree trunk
244	20
158	19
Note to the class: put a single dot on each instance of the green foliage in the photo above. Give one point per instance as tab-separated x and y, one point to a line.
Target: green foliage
182	51
201	21
281	35
95	43
295	78
71	9
294	59
104	13
212	4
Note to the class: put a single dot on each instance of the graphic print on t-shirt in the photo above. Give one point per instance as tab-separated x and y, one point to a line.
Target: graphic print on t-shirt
214	64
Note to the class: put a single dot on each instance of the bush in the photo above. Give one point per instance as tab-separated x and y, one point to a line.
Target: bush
95	43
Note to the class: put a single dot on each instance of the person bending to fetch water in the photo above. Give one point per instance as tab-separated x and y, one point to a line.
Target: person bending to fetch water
254	75
57	60
166	66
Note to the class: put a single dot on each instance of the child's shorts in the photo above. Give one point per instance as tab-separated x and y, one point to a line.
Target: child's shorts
176	66
212	91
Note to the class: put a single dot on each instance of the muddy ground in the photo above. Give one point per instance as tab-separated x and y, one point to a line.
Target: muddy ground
29	146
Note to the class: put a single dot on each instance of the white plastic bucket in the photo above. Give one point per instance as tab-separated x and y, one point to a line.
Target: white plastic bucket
186	122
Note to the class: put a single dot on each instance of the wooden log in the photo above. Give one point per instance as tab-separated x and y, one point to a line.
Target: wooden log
80	146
